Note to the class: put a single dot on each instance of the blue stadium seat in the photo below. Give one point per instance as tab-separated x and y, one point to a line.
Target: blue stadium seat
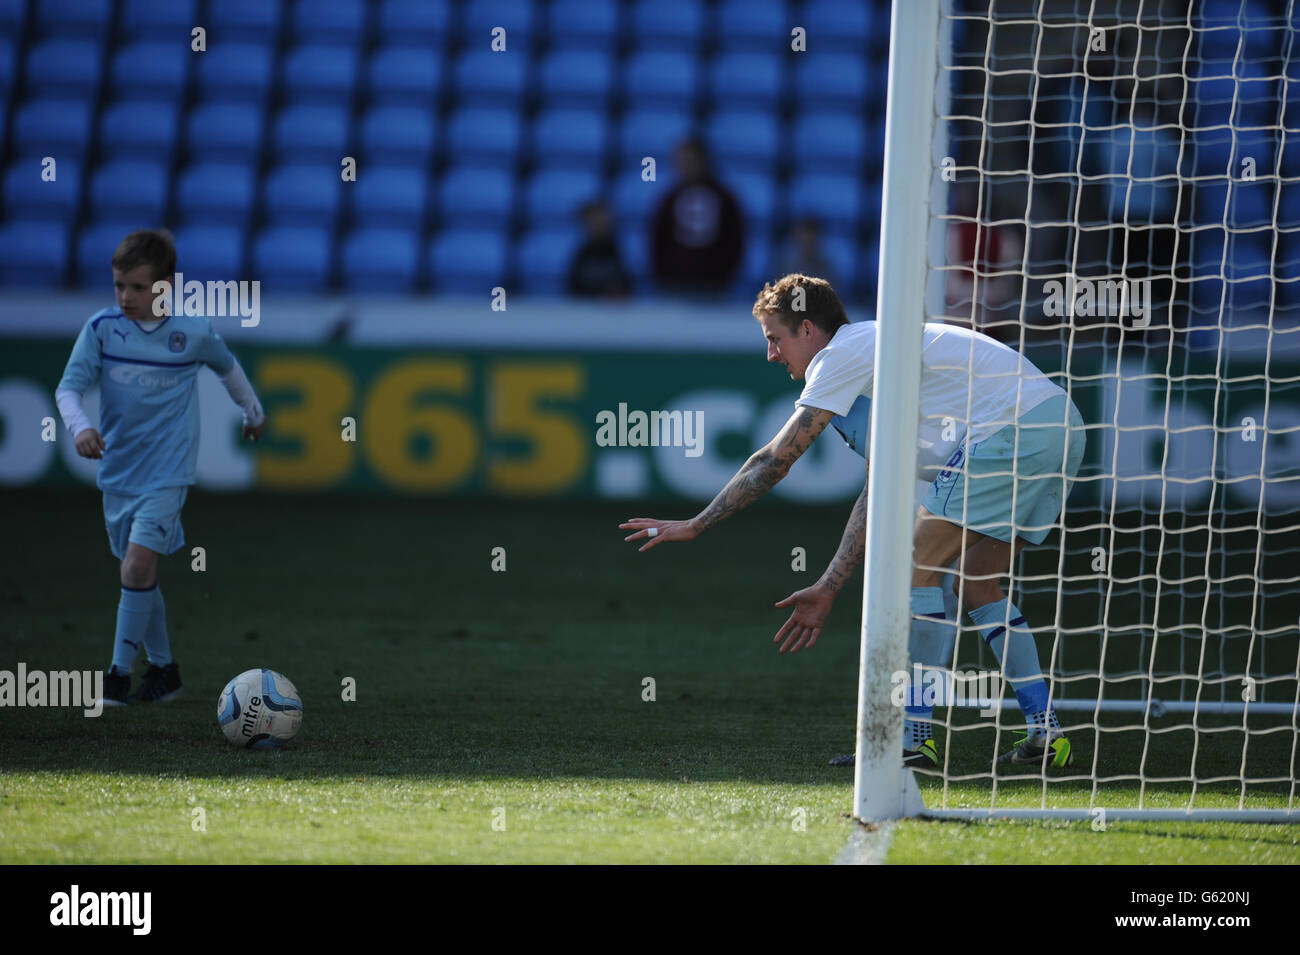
213	252
64	67
829	141
216	192
1250	256
831	79
8	60
386	195
836	25
660	76
586	76
841	253
339	21
321	73
755	23
484	76
1251	205
468	261
481	17
73	17
755	266
304	195
1212	153
36	253
161	19
754	191
476	195
152	70
569	133
747	135
1213	101
635	201
292	259
1244	204
582	23
544	256
239	72
398	132
129	189
96	244
653	132
138	127
52	127
405	75
310	132
675	24
245	21
554	195
1288	210
422	22
746	78
13	15
380	260
834	199
225	129
484	133
28	196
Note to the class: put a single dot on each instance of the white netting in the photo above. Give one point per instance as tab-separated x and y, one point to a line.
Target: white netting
1117	196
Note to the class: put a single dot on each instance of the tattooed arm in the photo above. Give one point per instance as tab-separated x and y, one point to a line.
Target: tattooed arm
852	549
766	466
757	476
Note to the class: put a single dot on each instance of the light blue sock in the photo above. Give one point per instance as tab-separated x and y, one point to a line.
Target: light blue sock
133	612
1002	626
156	644
929	644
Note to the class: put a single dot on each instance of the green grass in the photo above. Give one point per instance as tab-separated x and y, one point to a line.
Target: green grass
521	692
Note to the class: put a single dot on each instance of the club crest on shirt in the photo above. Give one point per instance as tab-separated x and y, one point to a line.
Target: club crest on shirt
176	342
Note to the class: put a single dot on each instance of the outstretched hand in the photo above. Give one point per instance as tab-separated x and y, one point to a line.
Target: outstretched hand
812	606
664	531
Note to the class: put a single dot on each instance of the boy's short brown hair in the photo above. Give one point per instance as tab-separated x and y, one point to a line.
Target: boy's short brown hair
821	305
151	247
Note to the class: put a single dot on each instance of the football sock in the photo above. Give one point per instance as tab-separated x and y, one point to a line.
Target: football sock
133	611
1002	626
930	644
156	644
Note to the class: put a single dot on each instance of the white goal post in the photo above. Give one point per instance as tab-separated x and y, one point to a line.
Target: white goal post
1112	190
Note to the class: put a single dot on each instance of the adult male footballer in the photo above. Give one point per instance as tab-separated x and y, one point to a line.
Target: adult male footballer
147	368
994	430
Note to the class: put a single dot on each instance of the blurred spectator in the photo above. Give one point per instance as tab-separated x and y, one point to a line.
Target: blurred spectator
983	289
597	269
804	254
697	232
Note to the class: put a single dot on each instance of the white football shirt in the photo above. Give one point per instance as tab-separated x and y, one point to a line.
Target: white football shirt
971	386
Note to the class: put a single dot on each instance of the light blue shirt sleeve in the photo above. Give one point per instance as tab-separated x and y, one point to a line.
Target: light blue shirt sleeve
84	364
214	353
855	427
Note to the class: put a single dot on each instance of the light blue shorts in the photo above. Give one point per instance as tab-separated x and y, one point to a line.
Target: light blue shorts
152	520
977	493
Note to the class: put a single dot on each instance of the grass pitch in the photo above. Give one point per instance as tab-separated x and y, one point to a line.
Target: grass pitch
499	716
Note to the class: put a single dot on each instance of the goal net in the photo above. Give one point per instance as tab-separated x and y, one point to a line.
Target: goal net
1115	194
